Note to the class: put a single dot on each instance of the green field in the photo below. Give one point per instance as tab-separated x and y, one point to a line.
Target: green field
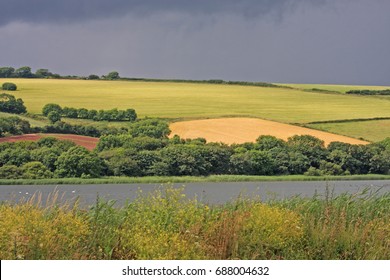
191	101
33	122
373	131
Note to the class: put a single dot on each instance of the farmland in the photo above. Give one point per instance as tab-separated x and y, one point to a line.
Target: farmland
85	141
241	130
336	88
373	130
195	101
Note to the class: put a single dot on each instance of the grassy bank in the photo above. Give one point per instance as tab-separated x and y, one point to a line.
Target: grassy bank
167	225
188	179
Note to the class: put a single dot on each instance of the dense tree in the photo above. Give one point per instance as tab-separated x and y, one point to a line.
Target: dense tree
9	104
149	163
79	162
82	113
144	143
14	156
310	146
23	72
69	112
54	116
46	156
7	72
182	160
114	75
217	157
267	142
93	77
150	127
35	170
10	172
43	73
14	126
50	108
92	114
241	164
130	114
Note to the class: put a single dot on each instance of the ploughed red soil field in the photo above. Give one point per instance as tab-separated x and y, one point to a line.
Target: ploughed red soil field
85	141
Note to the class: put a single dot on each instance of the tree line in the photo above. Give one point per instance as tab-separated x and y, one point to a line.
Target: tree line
26	72
96	115
369	92
145	150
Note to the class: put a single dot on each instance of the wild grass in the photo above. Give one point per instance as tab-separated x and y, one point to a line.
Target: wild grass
168	225
189	100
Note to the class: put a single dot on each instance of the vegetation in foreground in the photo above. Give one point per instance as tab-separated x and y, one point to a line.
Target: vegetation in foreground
166	225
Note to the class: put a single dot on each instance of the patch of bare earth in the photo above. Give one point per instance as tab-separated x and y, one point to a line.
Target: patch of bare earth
241	130
85	141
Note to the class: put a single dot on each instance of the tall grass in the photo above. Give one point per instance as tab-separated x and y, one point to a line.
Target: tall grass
168	225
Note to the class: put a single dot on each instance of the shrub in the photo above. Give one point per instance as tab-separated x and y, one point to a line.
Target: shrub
9	86
50	108
9	104
54	116
267	231
30	232
35	170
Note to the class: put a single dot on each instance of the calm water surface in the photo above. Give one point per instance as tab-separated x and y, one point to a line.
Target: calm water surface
211	193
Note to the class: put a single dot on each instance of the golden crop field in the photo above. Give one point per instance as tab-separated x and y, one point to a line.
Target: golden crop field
241	130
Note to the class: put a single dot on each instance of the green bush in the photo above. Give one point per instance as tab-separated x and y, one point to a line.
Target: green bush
9	86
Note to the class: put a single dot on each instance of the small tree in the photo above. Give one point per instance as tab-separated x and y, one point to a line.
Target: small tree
93	77
51	107
9	104
43	73
23	72
54	116
9	86
6	72
114	75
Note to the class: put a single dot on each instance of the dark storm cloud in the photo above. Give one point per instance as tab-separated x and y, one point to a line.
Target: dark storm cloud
63	11
302	41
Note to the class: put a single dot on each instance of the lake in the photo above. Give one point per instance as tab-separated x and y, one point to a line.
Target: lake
211	193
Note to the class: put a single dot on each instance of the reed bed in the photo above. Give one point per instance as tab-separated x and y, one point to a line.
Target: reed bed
168	225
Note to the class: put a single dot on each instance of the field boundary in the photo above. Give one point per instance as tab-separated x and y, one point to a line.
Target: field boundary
350	120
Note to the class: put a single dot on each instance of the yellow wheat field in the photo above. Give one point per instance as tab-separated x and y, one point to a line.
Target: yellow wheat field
241	130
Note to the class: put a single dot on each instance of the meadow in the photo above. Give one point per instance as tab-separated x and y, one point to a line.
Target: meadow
167	225
372	130
178	101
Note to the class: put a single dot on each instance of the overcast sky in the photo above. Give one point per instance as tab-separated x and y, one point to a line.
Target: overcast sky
299	41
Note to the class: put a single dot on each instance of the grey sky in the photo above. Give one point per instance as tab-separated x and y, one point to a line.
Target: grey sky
302	41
